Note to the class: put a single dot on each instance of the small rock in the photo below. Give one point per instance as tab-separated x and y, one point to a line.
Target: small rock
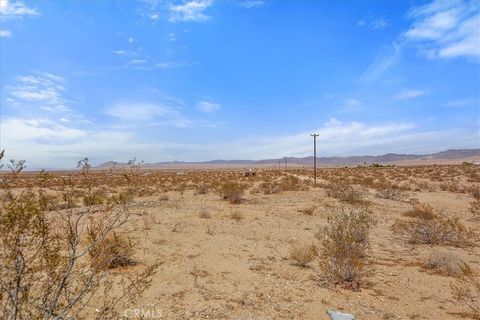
335	315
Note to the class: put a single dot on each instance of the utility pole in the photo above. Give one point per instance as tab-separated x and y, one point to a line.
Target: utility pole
285	164
314	135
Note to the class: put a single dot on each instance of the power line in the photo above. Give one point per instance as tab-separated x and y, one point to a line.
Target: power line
314	135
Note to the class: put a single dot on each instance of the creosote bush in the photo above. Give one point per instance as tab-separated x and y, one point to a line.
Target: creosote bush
232	192
345	192
426	226
466	289
53	263
343	245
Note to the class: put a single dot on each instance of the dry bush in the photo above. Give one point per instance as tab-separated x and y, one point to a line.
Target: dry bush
422	211
111	252
302	255
308	210
236	215
345	192
344	242
442	262
475	208
435	230
232	192
466	289
391	194
292	183
267	187
204	214
163	197
45	266
201	188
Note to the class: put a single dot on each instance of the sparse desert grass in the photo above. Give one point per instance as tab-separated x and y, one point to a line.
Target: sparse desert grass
423	211
112	252
236	215
309	210
216	245
204	214
391	194
442	262
475	208
301	254
466	289
344	242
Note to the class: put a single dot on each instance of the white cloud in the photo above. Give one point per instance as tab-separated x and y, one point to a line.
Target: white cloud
446	29
5	33
15	9
249	4
41	89
191	11
208	107
166	112
352	103
377	23
382	63
409	94
44	143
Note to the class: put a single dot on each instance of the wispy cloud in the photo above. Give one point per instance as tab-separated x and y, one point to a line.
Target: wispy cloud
407	94
5	33
25	139
40	89
382	63
377	23
175	11
249	4
15	9
191	11
165	111
208	107
461	103
446	29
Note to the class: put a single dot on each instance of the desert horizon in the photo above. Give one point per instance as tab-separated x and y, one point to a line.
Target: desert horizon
239	160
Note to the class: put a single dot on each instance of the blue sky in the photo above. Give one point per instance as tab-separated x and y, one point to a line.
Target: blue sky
202	79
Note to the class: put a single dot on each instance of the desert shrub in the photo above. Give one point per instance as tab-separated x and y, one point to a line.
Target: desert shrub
391	194
307	210
475	208
422	211
232	192
236	215
344	242
204	214
268	188
45	269
476	194
436	230
345	192
442	262
466	289
92	199
111	252
302	255
201	188
163	197
291	183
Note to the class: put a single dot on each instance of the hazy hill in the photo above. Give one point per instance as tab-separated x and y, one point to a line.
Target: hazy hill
459	155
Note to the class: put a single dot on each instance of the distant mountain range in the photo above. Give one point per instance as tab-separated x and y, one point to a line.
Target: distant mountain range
448	156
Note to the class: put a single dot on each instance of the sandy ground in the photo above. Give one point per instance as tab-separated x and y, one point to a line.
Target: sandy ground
221	268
